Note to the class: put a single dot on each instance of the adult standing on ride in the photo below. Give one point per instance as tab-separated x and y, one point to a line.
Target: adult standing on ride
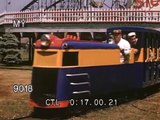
123	45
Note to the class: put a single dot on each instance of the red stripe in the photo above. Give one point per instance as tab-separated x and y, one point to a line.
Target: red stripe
61	104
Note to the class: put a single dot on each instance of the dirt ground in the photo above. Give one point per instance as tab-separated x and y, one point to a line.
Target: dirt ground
15	104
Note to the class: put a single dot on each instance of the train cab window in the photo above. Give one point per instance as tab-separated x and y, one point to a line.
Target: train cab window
109	38
146	39
158	42
99	36
86	36
70	59
156	47
157	37
72	33
150	46
153	40
59	34
147	44
151	55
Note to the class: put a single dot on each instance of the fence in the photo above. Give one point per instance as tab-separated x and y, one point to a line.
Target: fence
82	15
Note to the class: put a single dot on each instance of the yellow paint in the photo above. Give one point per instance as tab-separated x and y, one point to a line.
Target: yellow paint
52	58
46	58
154	53
158	54
98	57
131	59
151	55
141	55
147	59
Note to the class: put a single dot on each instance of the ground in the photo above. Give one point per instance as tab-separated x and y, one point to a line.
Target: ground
15	104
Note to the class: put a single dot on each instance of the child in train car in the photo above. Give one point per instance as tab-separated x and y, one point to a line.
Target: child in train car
123	45
133	40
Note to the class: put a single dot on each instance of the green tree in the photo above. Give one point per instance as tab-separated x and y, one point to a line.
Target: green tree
11	52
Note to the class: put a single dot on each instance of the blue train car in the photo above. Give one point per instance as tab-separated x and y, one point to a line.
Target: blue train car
71	68
148	58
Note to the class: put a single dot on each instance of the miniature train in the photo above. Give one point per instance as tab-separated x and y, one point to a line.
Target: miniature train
71	68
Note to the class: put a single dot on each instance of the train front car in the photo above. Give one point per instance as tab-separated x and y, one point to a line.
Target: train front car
65	69
46	74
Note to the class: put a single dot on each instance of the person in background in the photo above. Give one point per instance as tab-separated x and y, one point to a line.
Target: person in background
123	45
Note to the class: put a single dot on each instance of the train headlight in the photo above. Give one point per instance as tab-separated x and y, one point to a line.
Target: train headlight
45	40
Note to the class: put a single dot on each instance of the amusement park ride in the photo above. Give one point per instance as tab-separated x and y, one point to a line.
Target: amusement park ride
57	4
85	4
69	4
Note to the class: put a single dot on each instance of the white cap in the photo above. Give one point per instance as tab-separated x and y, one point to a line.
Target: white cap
131	34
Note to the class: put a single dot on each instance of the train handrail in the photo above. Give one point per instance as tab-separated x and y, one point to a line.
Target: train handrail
131	58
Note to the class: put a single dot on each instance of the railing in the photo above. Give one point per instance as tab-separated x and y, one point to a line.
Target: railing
78	16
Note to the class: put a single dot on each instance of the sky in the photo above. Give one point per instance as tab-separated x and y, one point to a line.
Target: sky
13	5
16	5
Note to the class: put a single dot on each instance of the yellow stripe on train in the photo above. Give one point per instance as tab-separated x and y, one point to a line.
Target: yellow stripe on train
62	58
80	58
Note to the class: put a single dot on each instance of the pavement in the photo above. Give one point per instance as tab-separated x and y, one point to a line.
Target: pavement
18	67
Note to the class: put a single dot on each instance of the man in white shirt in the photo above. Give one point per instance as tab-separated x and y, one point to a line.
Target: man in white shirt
123	45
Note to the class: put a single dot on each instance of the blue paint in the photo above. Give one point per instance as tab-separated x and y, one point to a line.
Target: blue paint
88	45
132	28
81	45
103	79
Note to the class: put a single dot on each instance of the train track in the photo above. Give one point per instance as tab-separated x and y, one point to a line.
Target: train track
143	103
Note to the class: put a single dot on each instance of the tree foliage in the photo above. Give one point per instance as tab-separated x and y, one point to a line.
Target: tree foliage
9	52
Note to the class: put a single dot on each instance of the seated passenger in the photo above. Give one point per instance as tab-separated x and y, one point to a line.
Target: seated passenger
133	40
123	45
